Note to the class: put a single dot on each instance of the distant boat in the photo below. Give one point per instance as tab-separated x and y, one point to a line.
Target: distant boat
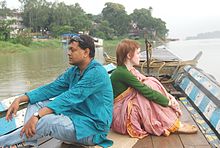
98	42
172	39
67	36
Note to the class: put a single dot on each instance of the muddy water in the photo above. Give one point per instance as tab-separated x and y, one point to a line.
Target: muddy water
25	71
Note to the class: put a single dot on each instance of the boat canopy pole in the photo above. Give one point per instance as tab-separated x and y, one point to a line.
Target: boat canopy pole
147	43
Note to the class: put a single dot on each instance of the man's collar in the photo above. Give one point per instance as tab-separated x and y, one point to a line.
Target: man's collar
91	63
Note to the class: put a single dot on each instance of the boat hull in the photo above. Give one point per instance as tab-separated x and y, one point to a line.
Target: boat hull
203	92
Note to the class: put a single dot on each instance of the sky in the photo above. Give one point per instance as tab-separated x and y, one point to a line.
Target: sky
183	18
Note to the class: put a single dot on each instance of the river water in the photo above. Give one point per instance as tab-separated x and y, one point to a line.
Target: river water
210	60
25	71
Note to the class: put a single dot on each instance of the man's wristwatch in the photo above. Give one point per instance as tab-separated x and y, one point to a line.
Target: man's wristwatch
37	115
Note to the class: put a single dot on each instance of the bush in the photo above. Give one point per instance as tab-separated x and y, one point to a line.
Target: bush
23	38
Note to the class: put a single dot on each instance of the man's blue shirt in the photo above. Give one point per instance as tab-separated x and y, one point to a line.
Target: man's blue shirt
87	99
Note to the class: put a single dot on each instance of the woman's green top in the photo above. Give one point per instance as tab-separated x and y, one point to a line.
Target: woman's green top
122	79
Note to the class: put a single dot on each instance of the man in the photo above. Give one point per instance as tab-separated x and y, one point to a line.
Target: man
81	111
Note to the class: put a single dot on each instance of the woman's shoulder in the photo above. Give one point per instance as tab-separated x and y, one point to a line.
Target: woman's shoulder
120	70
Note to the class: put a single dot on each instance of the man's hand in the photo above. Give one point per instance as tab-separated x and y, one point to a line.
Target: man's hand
30	127
12	110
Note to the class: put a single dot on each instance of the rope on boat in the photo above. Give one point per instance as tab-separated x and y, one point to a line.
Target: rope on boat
162	64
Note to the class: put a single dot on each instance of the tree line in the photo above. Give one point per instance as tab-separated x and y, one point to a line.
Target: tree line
112	22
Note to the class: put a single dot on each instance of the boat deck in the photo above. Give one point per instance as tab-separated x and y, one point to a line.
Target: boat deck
160	54
197	140
176	140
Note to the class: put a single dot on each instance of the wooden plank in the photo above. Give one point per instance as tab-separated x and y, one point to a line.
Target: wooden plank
16	122
172	141
4	105
191	139
53	142
201	147
176	140
60	144
144	143
44	140
160	54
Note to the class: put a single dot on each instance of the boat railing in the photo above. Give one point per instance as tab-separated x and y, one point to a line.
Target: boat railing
159	67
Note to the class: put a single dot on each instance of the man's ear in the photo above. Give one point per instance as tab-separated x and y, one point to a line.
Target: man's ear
87	51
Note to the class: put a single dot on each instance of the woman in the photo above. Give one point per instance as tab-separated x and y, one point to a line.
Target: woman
142	106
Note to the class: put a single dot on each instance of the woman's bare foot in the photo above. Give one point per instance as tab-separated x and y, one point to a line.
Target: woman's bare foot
186	128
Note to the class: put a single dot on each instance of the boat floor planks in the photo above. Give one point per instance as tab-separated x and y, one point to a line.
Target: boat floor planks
176	140
173	141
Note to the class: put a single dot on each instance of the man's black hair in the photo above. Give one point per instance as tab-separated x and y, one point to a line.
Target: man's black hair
85	41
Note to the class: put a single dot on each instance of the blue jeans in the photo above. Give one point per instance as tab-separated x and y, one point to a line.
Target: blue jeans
56	126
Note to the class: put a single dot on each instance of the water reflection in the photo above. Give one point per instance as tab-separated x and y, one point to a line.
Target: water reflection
22	72
26	71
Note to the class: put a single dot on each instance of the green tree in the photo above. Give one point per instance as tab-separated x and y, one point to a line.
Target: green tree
160	27
79	19
60	14
58	30
4	11
5	29
36	14
41	15
143	18
150	26
117	17
102	30
23	37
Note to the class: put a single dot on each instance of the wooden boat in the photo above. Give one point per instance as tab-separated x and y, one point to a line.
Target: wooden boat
162	63
197	92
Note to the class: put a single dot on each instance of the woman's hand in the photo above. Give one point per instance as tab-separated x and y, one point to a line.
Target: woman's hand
175	106
30	127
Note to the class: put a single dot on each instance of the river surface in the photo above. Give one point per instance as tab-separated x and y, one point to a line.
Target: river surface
210	60
25	71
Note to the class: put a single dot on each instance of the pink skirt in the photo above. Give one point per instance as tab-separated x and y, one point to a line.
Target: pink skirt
137	116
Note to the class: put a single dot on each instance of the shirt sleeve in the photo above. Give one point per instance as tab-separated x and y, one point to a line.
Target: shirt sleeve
90	83
51	90
129	79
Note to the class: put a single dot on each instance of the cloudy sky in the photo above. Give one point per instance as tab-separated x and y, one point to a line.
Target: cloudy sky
183	17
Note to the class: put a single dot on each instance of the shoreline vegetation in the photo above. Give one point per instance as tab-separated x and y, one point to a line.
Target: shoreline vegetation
10	48
109	46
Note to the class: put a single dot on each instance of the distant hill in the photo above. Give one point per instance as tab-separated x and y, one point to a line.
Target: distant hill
207	35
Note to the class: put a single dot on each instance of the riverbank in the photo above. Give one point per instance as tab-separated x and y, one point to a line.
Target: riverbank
8	47
109	46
